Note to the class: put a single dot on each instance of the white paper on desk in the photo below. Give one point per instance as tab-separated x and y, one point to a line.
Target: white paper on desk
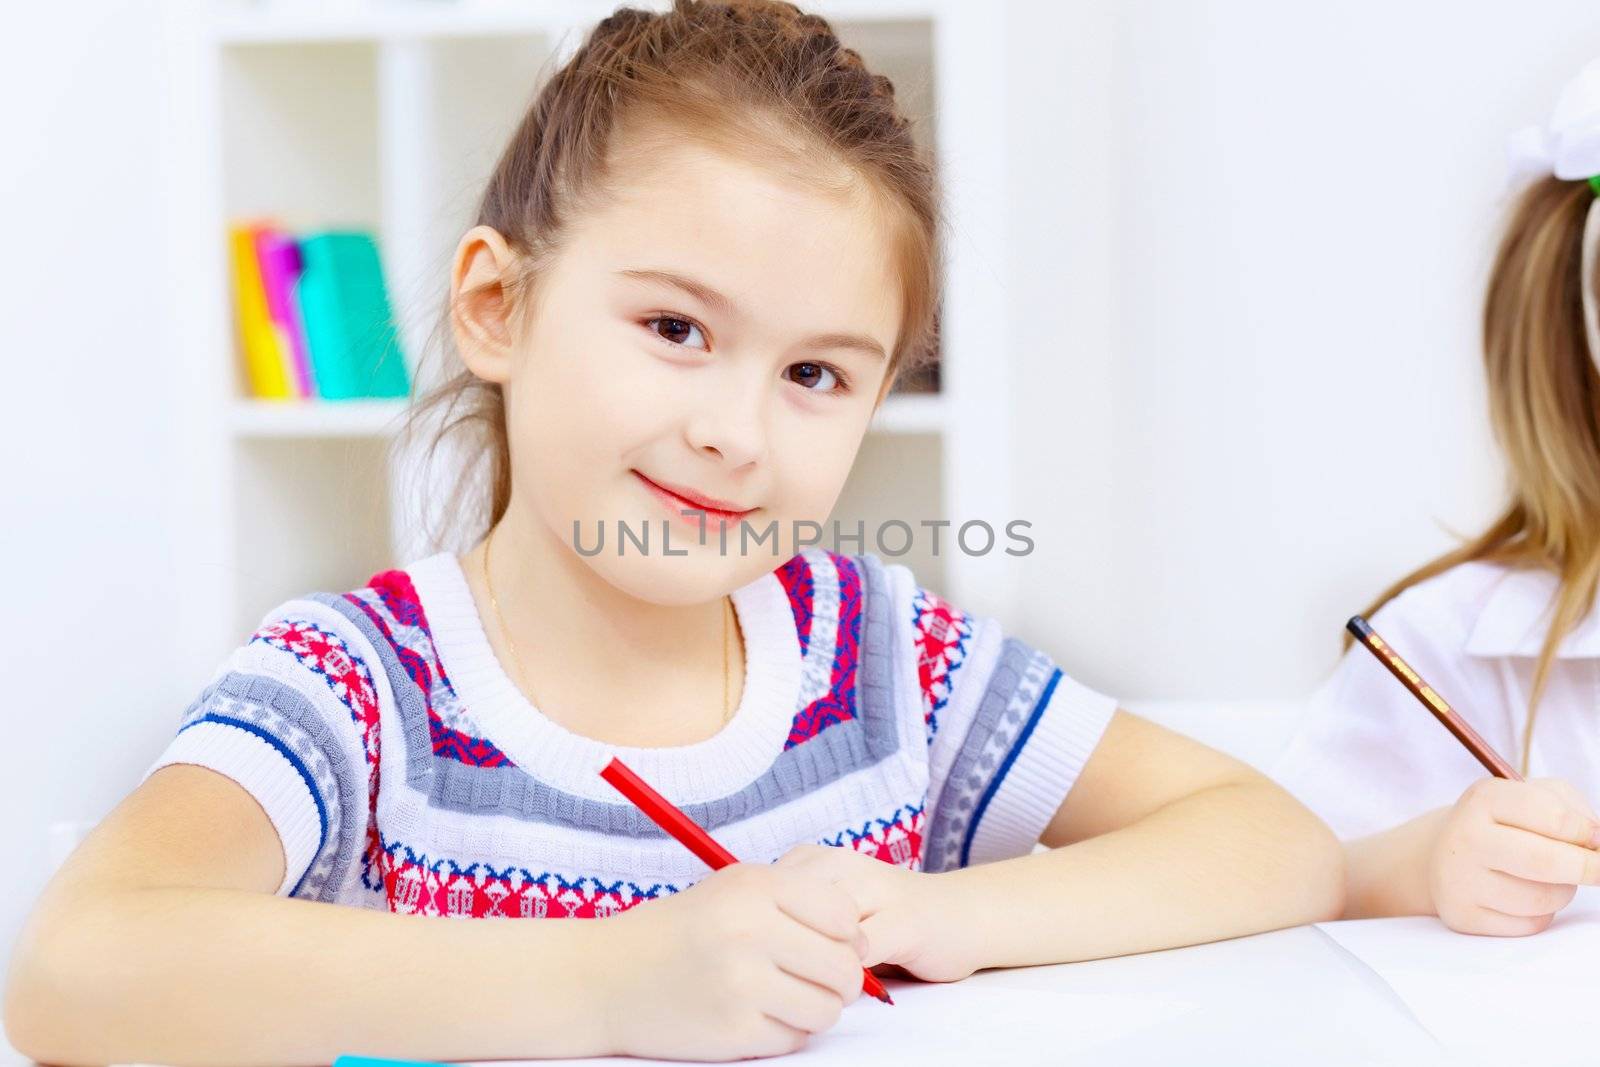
960	1021
1512	999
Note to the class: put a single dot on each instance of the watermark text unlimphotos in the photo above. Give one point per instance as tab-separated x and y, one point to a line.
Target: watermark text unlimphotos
892	537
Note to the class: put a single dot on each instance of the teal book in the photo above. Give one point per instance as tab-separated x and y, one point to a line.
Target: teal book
350	329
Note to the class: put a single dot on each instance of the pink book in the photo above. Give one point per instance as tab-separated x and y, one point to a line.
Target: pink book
279	257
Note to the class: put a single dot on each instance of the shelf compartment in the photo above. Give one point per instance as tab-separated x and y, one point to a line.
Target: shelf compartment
309	515
315	419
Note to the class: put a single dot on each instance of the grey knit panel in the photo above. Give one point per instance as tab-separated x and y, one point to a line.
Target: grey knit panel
840	749
1014	687
289	716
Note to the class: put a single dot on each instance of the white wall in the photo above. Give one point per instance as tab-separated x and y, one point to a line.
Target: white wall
85	638
1252	237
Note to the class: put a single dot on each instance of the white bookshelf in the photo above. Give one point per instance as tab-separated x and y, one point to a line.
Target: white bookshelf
388	116
266	419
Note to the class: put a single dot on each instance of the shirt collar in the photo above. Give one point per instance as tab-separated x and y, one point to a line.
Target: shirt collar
1516	616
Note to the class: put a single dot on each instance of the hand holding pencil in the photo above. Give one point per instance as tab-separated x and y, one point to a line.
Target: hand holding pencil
1509	854
753	959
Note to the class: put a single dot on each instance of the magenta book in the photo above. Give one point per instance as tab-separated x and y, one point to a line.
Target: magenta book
279	257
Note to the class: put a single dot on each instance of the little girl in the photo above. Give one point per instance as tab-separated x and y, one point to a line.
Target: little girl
1506	625
698	268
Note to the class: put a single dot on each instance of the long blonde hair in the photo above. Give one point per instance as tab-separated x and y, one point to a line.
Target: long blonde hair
1544	405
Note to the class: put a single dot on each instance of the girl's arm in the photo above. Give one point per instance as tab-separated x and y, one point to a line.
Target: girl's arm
1386	874
159	940
1161	842
1490	857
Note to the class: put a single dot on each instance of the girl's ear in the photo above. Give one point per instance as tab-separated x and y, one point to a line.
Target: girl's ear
480	303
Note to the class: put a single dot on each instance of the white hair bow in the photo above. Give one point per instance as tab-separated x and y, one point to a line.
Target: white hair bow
1568	146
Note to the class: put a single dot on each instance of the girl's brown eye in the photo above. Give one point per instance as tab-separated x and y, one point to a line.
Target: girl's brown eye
808	374
678	331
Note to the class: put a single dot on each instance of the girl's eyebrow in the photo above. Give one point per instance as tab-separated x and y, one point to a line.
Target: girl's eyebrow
719	303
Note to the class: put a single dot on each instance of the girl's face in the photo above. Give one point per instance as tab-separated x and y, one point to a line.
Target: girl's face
713	333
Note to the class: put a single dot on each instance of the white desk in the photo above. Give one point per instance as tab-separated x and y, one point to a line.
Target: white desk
1291	997
1517	1000
1391	991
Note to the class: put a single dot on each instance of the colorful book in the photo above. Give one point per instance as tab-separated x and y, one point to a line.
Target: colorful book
279	259
349	326
266	369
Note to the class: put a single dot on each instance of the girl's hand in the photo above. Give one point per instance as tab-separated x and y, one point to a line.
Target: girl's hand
1509	855
750	961
909	918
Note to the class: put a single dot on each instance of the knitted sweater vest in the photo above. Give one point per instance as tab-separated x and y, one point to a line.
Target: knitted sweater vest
402	768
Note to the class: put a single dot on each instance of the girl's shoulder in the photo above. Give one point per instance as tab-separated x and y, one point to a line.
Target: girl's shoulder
1463	587
1484	609
1459	592
293	716
353	640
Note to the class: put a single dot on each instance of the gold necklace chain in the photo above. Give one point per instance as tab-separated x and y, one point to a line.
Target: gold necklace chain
516	660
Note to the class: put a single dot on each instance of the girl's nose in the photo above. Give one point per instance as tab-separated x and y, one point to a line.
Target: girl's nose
731	423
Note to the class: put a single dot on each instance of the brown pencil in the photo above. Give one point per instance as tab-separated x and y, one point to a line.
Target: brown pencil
1431	700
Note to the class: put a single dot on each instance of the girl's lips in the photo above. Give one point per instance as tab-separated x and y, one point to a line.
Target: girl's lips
715	518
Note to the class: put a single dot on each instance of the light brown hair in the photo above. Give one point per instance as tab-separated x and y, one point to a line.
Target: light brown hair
1544	405
758	76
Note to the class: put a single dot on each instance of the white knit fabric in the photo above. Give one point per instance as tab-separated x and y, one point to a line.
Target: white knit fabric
522	824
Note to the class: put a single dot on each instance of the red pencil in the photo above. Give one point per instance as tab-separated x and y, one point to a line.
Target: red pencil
664	814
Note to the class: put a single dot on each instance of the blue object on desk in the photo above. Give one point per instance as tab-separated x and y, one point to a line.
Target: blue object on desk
368	1061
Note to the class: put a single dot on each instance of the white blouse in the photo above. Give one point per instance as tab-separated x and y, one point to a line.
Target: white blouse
1367	755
